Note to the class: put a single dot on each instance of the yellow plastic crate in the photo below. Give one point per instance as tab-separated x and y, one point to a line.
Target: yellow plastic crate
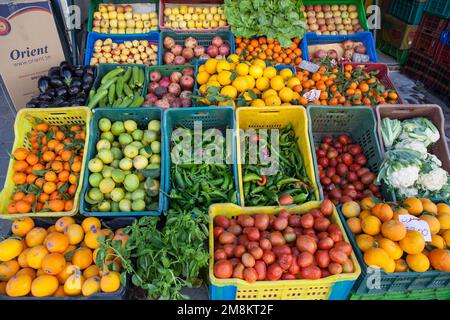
276	118
336	287
23	124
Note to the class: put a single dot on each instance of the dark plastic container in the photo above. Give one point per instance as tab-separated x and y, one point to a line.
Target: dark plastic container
400	55
433	25
410	11
442	56
426	294
424	44
440	8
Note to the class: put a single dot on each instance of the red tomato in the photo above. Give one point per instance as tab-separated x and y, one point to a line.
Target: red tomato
321	224
306	243
307	220
280	223
265	244
227	238
246	221
322	258
229	250
248	260
305	259
261	269
217	231
238	271
222	221
223	269
295	220
286	200
252	233
243	239
347	266
337	255
235	229
281	249
276	238
262	221
316	213
326	243
252	244
295	268
344	247
274	272
239	250
335	268
256	252
288	276
285	261
326	207
268	257
311	273
220	254
250	275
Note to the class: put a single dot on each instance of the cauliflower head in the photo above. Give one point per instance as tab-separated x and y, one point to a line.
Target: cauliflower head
403	177
433	180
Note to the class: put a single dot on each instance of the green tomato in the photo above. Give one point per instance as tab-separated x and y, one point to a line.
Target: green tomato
130	125
104	124
115	164
137	134
108	136
107	185
103	144
96	195
131	182
117	128
125	164
154	125
130	151
107	171
137	144
118	175
117	194
150	136
95	165
156	147
125	139
140	162
125	205
117	153
94	179
115	207
106	156
104	206
146	152
156	158
138	205
128	195
139	194
116	144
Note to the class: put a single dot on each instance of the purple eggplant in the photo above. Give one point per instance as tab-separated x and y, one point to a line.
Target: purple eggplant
43	84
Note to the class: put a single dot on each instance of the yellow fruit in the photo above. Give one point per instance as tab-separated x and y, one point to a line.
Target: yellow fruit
201	68
35	237
10	249
367	203
294	81
286	94
240	83
44	286
250	82
277	83
211	66
268	93
22	259
8	269
59	292
214	77
90	224
62	223
229	91
444	220
443	208
376	257
74	284
202	77
19	286
382	211
429	206
364	214
401	265
233	58
273	101
91	286
90	238
365	242
413	242
223	65
433	223
242	69
82	258
35	256
56	242
354	225
413	205
27	271
393	230
393	249
351	209
75	234
53	263
259	62
213	83
371	225
110	282
224	78
91	271
2	288
68	270
40	272
418	262
286	73
258	103
446	236
389	266
270	72
22	226
437	241
256	71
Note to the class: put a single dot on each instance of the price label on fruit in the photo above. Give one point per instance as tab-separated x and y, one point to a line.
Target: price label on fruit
312	95
309	66
413	223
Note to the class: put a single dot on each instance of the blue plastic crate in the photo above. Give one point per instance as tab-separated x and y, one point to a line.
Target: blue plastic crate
211	117
445	38
142	116
313	39
152	37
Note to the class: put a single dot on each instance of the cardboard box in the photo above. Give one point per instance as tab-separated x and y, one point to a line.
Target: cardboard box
397	33
29	46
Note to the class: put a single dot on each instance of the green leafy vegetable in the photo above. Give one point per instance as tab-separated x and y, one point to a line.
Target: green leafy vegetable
390	130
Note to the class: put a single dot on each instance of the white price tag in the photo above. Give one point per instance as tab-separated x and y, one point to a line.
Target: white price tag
309	66
312	95
413	223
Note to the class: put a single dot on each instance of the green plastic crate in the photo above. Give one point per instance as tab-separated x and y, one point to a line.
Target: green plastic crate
400	55
359	3
392	282
142	116
428	294
93	5
104	68
358	122
440	8
410	11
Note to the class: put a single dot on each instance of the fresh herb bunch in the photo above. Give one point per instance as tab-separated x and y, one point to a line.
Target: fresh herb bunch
161	262
277	19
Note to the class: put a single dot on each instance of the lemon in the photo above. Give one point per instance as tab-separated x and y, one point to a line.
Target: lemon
247	96
273	100
211	66
250	82
258	103
201	68
222	65
213	83
240	83
286	94
256	71
203	88
262	83
292	82
202	77
286	73
242	69
270	72
259	62
229	91
277	83
224	78
268	93
233	58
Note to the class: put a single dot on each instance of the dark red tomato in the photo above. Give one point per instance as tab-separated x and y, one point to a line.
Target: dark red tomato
248	260
337	255
359	186
344	247
327	140
285	261
276	238
326	207
265	244
232	222
330	172
286	200
220	254
374	188
344	139
321	153
274	272
322	235
262	221
222	221
368	178
234	261
352	177
217	231
257	253
268	257
252	244
280	250
345	199
309	232
295	251
341	169
223	269
347	159
284	214
332	153
227	238
347	266
325	181
352	193
305	259
311	273
271	220
307	221
243	240
326	243
325	273
333	163
355	149
362	171
337	145
265	234
322	258
360	159
336	193
280	223
288	276
306	243
354	167
246	221
238	271
261	269
321	224
252	233
295	268
239	250
316	213
295	220
321	173
229	250
235	229
323	162
250	275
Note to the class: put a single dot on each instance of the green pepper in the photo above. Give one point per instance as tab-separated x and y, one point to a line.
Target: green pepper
286	181
250	177
100	95
112	74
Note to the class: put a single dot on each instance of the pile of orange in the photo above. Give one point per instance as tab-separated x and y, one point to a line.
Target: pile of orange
47	174
58	261
387	244
353	87
269	50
